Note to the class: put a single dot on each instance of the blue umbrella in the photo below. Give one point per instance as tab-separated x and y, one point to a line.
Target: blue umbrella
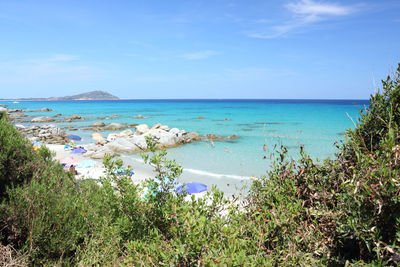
78	150
87	163
74	137
124	171
192	188
37	143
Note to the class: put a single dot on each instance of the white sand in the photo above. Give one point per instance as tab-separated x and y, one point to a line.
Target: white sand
98	170
144	171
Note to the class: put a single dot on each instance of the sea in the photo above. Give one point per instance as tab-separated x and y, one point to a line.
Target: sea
318	125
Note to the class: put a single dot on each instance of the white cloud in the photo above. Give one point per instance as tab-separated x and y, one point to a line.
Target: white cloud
200	55
305	13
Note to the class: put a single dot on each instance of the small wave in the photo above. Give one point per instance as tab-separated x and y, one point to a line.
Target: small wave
216	174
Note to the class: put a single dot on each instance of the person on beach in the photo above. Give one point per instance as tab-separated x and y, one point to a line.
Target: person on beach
212	143
72	170
265	147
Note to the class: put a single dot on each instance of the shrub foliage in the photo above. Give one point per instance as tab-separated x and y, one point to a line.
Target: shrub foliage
343	211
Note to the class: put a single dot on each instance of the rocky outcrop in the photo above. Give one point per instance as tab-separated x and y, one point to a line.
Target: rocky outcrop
57	115
3	109
128	142
142	129
50	134
114	127
73	118
42	119
43	110
140	116
98	124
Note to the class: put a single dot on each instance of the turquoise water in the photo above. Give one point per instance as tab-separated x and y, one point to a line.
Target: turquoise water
316	124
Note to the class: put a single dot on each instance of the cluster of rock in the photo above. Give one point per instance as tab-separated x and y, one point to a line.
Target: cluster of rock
101	126
133	142
50	134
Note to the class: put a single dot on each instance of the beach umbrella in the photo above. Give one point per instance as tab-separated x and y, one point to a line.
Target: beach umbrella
78	150
37	143
124	171
69	161
192	188
74	137
87	163
97	137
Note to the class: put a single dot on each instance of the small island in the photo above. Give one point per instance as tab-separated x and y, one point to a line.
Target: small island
93	95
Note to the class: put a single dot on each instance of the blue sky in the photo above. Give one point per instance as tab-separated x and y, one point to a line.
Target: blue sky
326	49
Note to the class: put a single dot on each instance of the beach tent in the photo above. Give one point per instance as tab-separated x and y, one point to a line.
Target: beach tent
97	137
74	137
87	163
192	188
69	161
124	171
78	150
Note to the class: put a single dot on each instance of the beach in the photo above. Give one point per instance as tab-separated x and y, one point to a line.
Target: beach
241	128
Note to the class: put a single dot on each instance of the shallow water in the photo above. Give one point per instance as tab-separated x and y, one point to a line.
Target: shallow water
316	124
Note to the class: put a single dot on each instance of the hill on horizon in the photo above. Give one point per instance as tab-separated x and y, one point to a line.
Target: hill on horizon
93	95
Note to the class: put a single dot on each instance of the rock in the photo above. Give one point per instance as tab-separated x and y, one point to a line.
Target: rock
114	116
101	153
174	131
57	115
19	126
142	129
200	118
156	126
114	126
140	116
139	141
127	132
18	115
122	145
11	110
3	109
44	110
74	117
42	119
45	133
98	124
189	137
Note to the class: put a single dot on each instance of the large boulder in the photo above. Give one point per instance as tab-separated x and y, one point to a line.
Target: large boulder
3	109
139	141
122	145
142	129
42	119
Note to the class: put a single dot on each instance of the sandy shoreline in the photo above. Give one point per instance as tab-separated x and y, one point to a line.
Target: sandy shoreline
144	171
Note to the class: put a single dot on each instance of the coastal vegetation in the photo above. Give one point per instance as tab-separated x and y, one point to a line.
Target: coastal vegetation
344	211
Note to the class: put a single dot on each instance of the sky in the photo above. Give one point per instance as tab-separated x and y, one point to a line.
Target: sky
294	49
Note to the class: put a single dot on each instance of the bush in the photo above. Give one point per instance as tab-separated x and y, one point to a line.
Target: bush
343	211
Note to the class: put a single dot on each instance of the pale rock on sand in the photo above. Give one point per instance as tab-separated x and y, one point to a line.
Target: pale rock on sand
142	128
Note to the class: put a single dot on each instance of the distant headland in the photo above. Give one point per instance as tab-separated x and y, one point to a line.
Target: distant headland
94	95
